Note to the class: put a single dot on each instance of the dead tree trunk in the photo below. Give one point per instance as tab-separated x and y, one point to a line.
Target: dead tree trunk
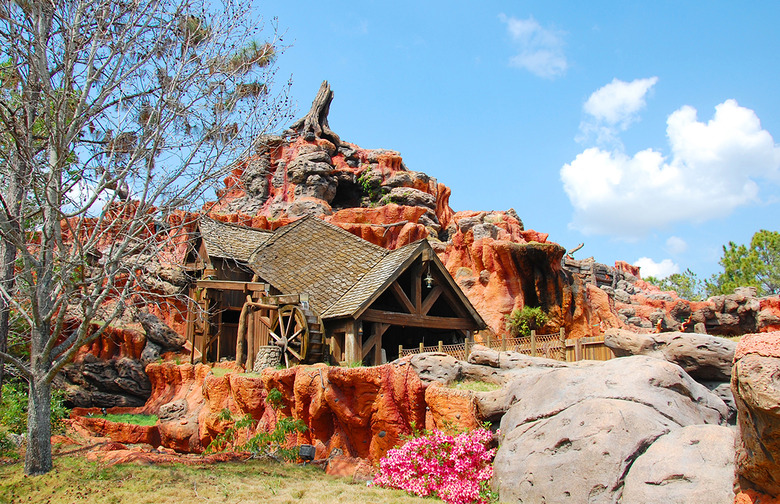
315	123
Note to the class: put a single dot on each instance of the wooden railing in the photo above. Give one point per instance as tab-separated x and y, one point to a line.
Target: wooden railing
551	346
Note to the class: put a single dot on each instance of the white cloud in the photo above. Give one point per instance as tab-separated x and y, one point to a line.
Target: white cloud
663	269
676	245
714	168
613	108
619	101
540	49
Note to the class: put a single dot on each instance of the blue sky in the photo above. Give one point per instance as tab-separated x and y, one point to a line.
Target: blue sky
646	130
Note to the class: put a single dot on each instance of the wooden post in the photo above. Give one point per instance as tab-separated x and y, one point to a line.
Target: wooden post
503	343
353	344
378	331
400	351
422	347
441	346
487	339
533	342
578	349
562	338
467	344
250	340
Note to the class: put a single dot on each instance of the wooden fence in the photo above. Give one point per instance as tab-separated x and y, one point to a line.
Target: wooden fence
551	346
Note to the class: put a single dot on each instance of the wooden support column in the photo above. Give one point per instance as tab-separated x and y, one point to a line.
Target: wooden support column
250	340
374	342
353	342
417	273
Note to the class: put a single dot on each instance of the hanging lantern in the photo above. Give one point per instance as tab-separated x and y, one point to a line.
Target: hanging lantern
428	278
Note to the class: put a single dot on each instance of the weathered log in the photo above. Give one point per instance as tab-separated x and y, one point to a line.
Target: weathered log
316	121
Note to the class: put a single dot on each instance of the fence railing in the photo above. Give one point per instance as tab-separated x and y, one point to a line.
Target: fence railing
552	346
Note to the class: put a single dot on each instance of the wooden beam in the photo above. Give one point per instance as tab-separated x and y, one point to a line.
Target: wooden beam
232	285
353	342
417	269
400	295
375	341
250	340
416	320
430	299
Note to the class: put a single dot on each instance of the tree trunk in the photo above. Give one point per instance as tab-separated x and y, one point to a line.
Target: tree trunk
315	123
37	460
13	203
7	259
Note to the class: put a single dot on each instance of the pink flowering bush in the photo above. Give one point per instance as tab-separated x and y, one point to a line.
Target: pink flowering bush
457	469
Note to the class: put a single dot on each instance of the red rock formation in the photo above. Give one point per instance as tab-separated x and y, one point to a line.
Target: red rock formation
753	382
120	432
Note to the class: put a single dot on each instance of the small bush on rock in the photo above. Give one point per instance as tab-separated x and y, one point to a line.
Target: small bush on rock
522	322
457	469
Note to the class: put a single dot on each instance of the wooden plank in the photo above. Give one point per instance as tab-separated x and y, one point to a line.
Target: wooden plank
400	295
431	299
232	285
416	320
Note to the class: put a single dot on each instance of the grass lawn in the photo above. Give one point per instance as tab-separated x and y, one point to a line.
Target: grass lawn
74	479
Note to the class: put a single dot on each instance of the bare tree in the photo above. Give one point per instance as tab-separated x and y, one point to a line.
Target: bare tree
116	116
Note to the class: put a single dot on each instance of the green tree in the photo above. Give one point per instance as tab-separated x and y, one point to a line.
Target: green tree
687	285
755	265
114	115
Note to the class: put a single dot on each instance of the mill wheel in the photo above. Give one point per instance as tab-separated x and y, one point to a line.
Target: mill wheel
291	332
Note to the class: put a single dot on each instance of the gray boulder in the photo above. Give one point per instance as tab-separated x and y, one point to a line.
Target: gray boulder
410	196
571	433
577	455
436	367
692	464
703	357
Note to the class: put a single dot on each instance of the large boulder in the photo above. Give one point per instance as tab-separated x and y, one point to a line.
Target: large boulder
670	471
572	433
701	356
159	333
436	367
754	382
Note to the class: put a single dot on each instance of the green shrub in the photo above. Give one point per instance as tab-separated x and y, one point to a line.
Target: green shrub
13	409
522	322
262	444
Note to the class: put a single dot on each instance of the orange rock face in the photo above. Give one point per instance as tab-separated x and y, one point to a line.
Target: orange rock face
121	432
753	382
362	411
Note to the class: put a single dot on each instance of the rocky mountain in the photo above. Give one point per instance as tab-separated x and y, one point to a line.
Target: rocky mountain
498	263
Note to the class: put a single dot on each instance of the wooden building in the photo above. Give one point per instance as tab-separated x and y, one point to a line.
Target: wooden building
327	293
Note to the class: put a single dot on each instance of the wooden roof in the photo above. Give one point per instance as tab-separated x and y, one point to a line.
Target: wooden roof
231	241
342	273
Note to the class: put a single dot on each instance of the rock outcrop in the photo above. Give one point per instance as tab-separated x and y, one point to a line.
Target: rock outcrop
573	433
754	382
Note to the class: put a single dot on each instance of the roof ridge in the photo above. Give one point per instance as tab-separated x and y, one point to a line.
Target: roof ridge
412	245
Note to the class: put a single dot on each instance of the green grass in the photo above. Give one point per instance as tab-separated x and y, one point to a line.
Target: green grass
74	479
475	385
144	420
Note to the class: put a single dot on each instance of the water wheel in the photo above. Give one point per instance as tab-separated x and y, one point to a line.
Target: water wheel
298	332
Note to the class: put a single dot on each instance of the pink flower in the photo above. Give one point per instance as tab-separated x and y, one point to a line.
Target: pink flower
455	468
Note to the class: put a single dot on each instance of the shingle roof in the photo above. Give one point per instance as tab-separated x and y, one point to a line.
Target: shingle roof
313	256
375	278
341	272
231	241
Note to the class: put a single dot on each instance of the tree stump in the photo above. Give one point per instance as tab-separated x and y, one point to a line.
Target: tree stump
315	123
